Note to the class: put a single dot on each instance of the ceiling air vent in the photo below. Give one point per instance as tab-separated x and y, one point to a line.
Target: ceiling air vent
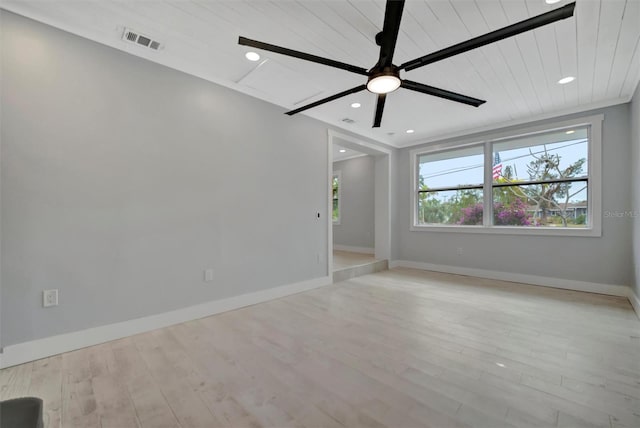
140	39
347	120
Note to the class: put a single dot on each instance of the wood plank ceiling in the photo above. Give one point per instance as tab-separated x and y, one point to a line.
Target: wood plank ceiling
518	76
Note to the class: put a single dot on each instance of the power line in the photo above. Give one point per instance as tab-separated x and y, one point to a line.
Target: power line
454	170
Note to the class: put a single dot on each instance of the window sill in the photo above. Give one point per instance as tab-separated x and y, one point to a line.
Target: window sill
592	232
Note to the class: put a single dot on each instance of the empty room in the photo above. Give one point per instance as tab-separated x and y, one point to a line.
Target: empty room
319	213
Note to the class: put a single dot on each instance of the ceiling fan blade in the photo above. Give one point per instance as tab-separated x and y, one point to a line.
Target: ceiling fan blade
494	36
302	55
326	100
389	36
379	109
442	93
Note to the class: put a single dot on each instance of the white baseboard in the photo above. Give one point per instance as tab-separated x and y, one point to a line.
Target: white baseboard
41	348
362	250
567	284
635	301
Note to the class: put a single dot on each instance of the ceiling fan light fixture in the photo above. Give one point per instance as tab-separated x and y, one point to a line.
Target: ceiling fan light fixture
383	84
383	81
355	105
551	1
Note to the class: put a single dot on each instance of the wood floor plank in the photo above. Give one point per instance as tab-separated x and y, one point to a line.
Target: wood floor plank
312	394
472	394
79	407
16	381
115	406
46	383
151	407
346	259
221	380
171	376
401	348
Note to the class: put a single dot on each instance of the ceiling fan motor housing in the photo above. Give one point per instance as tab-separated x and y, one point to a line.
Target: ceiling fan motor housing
384	71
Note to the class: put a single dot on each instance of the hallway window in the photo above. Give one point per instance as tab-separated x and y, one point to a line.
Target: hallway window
335	186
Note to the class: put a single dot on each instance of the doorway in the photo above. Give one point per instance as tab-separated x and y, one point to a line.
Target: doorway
359	206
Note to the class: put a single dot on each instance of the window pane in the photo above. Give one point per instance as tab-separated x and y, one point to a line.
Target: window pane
461	207
542	205
335	184
451	168
557	154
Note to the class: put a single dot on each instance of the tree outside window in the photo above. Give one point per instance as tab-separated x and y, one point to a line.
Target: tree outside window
538	180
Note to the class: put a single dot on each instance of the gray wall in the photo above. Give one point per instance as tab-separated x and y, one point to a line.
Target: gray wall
635	180
357	226
121	180
603	260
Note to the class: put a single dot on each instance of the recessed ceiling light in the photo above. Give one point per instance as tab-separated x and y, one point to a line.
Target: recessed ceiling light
566	80
355	105
252	56
343	151
410	131
571	131
551	1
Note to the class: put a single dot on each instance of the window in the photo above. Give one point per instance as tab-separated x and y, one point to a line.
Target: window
544	181
450	183
336	182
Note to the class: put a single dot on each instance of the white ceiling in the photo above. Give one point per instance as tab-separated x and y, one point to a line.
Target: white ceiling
518	76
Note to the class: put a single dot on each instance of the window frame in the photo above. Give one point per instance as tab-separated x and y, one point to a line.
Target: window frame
594	190
337	173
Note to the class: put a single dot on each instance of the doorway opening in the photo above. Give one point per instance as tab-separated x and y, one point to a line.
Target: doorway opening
358	229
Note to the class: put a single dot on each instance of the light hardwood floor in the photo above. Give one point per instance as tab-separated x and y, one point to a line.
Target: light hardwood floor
346	259
401	348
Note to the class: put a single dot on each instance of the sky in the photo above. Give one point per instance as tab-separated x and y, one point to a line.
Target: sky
468	169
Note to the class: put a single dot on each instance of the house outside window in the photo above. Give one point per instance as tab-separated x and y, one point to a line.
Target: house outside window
541	180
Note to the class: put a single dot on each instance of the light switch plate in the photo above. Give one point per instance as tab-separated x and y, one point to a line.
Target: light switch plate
49	298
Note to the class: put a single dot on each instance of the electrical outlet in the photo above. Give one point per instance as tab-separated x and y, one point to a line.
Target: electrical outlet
459	251
318	258
208	275
49	298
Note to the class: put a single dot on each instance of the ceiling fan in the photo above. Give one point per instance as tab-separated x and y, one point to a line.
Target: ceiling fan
384	76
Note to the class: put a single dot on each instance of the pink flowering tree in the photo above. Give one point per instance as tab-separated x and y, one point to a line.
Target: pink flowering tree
513	214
